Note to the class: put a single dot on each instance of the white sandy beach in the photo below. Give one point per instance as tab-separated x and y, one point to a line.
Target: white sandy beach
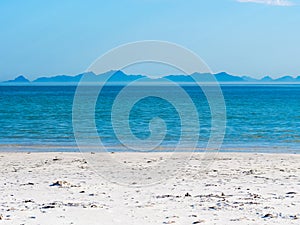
238	188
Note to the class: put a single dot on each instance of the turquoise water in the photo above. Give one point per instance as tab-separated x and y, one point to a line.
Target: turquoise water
263	118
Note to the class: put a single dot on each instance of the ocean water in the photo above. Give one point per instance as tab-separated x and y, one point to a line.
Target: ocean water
260	118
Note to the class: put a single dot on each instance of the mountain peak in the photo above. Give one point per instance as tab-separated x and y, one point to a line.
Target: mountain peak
267	78
286	79
19	79
223	76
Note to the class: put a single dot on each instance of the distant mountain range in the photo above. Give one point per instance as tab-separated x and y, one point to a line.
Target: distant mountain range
121	77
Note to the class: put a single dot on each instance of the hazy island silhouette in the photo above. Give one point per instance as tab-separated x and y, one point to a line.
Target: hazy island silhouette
121	77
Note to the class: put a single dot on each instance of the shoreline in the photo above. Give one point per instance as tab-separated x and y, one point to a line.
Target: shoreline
276	149
222	152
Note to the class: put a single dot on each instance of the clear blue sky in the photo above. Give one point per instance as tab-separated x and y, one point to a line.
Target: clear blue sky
42	38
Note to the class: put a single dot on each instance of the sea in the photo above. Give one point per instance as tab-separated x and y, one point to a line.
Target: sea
259	118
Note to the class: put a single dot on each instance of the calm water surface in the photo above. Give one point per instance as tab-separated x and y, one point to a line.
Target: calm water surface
263	118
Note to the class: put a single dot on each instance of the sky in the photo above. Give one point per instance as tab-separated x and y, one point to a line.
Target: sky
242	37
